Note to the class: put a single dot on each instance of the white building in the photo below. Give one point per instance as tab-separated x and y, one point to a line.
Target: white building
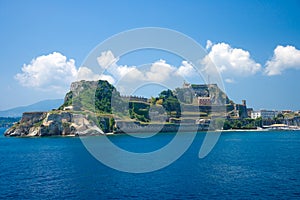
264	114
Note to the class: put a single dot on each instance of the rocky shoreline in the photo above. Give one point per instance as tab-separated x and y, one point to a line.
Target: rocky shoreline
54	123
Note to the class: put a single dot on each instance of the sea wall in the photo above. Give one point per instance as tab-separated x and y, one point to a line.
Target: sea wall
137	127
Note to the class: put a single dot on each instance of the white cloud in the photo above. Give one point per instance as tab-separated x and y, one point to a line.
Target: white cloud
108	78
48	72
160	71
284	58
106	59
229	80
186	69
231	61
208	44
54	72
87	74
123	70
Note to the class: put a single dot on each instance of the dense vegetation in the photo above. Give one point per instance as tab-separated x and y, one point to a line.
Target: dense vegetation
67	100
82	99
246	123
169	102
139	111
106	98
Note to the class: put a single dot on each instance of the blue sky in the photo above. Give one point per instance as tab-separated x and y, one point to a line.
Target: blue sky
253	30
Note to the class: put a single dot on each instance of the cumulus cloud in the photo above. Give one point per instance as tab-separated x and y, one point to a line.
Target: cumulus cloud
48	72
208	44
54	72
106	59
160	71
186	69
231	61
122	70
284	58
87	74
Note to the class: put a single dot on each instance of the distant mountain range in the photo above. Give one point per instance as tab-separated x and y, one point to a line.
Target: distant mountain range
45	105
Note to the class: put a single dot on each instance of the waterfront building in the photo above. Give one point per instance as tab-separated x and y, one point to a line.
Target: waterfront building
286	111
264	114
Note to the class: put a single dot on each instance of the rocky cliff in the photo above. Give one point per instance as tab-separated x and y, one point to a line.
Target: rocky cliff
76	115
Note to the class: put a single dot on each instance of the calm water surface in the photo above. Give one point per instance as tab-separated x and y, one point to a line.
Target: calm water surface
243	165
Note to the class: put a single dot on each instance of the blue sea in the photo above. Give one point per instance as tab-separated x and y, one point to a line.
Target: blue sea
242	165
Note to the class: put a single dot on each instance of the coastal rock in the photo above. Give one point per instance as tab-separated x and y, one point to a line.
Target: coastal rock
27	122
74	117
56	123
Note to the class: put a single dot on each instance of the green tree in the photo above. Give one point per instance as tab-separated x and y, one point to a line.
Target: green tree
111	124
280	118
237	124
170	103
153	100
227	125
217	123
258	122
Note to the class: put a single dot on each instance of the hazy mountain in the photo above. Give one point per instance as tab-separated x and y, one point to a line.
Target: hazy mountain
45	105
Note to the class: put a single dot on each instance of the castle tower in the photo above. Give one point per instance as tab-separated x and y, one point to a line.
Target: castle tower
244	102
186	84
